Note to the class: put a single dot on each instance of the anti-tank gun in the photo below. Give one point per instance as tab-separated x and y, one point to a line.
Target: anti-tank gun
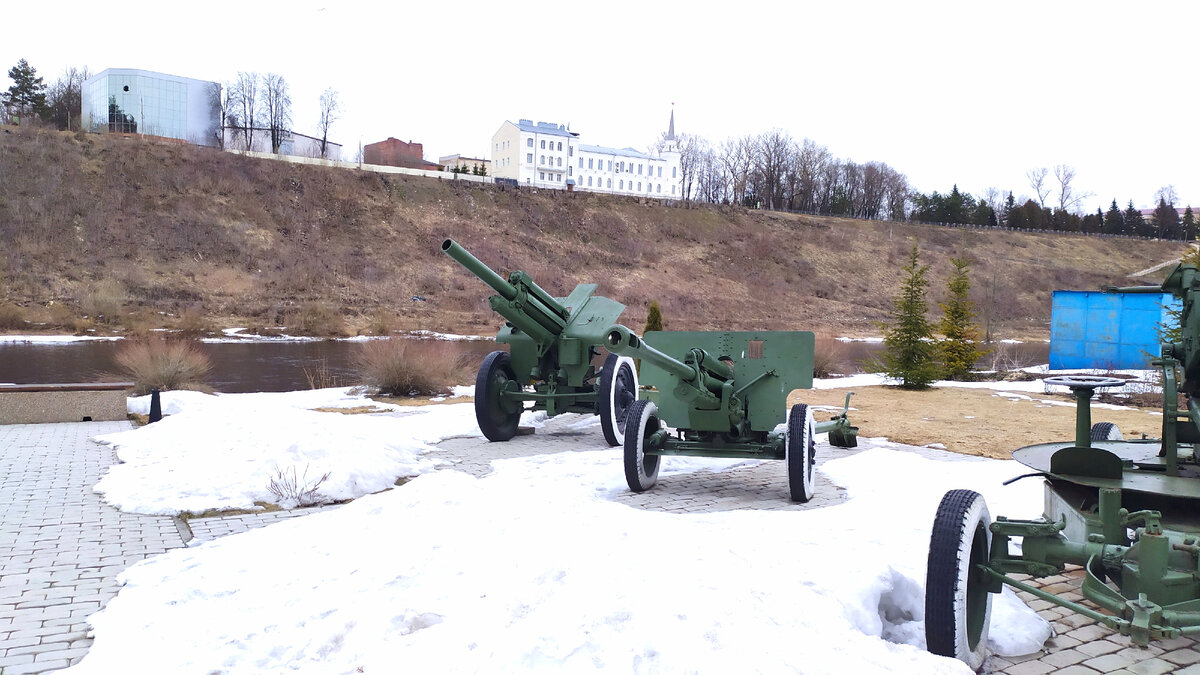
1127	511
724	394
552	343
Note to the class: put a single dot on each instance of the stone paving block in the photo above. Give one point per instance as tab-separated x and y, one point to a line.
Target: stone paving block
1110	662
1190	670
1076	670
1065	657
1185	656
1098	647
1089	632
1153	666
1035	667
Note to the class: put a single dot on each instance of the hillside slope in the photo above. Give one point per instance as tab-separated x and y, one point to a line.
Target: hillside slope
135	234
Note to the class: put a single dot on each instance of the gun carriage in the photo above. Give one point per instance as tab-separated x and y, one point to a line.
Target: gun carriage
552	345
723	394
1127	511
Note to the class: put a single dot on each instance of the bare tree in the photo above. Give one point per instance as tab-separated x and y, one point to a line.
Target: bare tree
245	96
1167	194
222	104
64	99
737	157
329	115
1068	198
279	108
1037	181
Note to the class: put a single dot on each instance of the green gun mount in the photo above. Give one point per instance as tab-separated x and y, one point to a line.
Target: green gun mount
552	343
723	393
1126	511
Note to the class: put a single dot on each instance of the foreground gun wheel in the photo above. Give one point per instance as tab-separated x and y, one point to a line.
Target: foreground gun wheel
799	449
1106	431
618	391
497	418
641	470
958	606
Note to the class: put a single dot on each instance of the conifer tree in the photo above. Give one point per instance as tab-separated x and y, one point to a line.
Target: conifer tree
654	319
1114	220
959	348
28	92
1135	224
1188	224
908	354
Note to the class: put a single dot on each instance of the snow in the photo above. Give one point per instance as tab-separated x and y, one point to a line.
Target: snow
533	568
53	339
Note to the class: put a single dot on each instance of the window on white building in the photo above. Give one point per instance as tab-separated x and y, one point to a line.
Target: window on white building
529	142
639	186
542	159
610	169
673	170
639	169
621	185
560	146
570	171
659	188
589	162
543	145
660	172
541	175
609	183
589	181
581	162
529	158
570	151
560	161
672	189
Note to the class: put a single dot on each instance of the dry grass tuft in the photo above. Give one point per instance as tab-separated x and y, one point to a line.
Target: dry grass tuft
318	319
404	367
830	356
163	364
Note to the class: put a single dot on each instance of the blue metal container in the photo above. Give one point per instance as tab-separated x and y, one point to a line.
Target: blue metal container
1107	330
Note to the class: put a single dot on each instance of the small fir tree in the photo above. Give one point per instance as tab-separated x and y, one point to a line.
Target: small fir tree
908	354
654	319
959	349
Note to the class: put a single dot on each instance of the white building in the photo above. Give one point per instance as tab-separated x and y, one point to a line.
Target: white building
133	101
548	155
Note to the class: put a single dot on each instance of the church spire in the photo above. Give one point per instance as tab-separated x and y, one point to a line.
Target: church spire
671	129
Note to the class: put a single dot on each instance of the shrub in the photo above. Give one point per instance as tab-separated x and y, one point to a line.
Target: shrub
829	356
193	323
11	316
406	367
104	301
320	319
163	364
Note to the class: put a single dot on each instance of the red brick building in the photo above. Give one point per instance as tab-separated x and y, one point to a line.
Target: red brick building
394	152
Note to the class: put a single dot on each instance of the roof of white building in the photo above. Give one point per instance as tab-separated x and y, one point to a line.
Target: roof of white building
622	152
548	128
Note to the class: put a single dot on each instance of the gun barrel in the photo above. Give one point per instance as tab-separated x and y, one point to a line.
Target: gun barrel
621	340
485	273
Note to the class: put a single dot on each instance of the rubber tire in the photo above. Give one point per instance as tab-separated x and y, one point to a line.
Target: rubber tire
618	390
958	607
800	452
1106	431
641	470
497	422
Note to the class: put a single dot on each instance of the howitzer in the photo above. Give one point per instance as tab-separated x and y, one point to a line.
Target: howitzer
1127	511
724	393
552	343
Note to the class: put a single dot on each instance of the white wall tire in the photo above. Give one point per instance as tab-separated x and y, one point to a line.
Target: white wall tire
799	450
641	470
618	389
958	607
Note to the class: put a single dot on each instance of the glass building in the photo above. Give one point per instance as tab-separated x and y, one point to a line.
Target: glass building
126	100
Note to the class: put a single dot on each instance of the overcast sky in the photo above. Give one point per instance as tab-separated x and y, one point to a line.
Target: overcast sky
959	92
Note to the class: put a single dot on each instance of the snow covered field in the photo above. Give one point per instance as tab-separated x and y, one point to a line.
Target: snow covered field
534	568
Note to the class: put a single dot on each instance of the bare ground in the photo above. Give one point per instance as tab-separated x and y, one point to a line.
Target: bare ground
972	421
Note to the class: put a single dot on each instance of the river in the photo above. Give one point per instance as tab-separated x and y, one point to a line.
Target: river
251	366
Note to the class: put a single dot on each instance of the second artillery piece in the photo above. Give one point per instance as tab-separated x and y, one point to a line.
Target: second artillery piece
723	394
552	343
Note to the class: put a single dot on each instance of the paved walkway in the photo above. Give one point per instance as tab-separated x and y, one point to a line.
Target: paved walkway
61	548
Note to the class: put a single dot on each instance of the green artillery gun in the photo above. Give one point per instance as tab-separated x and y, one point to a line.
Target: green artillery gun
552	343
724	394
1127	511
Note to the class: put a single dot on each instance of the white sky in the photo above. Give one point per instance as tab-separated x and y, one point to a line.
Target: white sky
946	92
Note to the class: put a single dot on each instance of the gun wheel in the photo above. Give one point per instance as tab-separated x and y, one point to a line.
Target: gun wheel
958	606
1106	431
641	470
618	390
498	418
799	449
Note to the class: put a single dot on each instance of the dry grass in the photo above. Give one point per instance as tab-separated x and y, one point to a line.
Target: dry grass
163	364
166	227
11	316
404	367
